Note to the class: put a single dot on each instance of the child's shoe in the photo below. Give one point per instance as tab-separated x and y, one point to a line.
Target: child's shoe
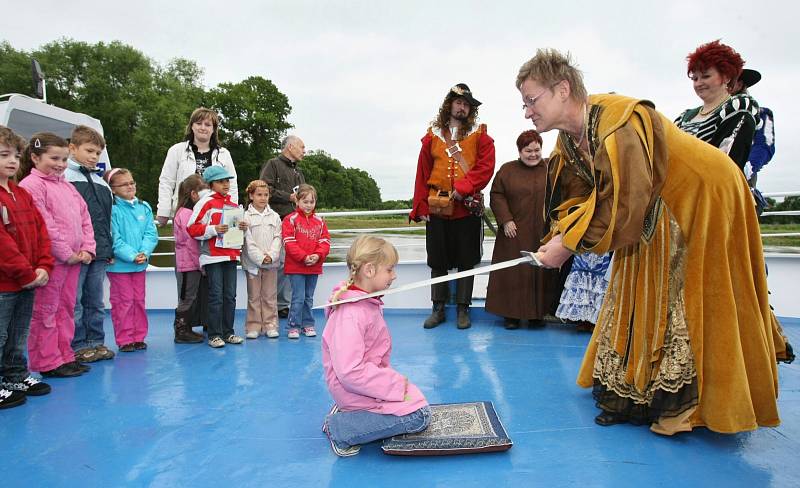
293	334
83	368
234	339
253	334
103	352
64	371
87	355
127	347
309	331
273	334
11	399
140	346
29	386
216	342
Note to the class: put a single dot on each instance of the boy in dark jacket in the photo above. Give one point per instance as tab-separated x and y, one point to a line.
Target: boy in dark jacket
85	147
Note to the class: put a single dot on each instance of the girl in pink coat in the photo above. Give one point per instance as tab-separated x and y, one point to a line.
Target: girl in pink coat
72	243
373	401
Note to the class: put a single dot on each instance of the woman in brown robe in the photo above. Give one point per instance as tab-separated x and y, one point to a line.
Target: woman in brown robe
517	200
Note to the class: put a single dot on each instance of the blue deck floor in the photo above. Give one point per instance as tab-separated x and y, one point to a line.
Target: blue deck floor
187	415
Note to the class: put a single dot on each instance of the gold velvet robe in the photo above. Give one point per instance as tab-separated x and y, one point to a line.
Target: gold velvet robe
687	300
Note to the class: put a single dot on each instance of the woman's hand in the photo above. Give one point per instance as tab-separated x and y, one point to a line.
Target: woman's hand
510	229
553	254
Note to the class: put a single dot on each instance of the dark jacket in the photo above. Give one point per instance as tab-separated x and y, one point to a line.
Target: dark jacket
97	195
282	176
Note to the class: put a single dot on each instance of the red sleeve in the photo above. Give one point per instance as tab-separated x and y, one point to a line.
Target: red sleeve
419	206
324	243
293	249
12	262
479	175
196	228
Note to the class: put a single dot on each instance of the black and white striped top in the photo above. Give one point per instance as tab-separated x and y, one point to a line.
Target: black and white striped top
722	122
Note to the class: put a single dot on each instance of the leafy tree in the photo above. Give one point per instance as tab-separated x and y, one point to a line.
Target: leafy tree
253	119
337	186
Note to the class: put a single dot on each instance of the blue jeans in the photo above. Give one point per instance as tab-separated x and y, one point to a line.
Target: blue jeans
303	287
90	311
16	308
221	298
360	427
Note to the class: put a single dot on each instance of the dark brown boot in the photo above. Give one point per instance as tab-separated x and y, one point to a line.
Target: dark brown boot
183	334
463	321
436	317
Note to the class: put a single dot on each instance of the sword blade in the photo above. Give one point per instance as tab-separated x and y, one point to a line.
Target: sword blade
527	258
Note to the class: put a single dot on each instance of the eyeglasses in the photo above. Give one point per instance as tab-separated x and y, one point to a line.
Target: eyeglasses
122	185
531	102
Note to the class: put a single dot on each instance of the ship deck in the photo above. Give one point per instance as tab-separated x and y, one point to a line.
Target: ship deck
250	415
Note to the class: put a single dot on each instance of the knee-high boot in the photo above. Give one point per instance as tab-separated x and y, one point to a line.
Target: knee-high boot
463	300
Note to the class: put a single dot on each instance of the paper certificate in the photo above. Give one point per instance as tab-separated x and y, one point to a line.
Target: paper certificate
234	237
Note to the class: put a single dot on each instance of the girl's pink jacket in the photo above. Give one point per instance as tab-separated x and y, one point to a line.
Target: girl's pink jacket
64	212
187	249
356	347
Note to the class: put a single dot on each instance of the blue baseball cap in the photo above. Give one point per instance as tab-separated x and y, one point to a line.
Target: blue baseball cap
216	173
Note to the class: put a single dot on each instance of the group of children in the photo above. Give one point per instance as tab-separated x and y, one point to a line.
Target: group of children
65	228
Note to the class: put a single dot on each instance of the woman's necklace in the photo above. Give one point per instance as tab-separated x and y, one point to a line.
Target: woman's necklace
584	127
707	112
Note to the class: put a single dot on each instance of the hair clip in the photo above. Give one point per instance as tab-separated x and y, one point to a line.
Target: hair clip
37	143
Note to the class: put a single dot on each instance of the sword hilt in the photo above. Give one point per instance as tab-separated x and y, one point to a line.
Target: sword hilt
534	261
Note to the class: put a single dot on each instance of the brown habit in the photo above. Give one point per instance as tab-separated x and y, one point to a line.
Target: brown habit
521	292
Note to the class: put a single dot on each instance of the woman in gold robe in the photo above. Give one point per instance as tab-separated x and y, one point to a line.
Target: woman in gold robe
684	337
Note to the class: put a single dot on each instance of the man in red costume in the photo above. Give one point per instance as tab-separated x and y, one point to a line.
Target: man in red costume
455	163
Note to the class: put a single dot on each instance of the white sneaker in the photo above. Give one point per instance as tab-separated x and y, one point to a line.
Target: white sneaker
309	331
216	342
253	334
234	339
272	333
293	334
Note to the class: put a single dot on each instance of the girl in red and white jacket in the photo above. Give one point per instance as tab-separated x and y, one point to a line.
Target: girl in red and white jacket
307	243
218	262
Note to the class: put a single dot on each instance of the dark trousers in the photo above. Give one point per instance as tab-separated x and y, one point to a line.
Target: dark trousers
221	298
16	309
453	243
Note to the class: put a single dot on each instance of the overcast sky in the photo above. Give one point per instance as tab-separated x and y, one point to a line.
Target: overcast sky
365	78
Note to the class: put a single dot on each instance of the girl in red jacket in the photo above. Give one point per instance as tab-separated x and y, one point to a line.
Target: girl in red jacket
307	243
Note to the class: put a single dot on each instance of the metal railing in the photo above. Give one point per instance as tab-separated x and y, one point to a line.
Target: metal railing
406	211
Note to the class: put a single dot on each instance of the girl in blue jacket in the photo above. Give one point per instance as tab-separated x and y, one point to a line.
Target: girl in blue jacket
135	237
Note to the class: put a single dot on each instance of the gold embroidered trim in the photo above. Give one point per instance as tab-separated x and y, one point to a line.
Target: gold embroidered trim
673	365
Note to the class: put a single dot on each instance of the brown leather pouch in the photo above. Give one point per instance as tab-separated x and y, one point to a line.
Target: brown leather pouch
440	203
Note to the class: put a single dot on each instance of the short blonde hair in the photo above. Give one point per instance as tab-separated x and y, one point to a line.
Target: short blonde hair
549	67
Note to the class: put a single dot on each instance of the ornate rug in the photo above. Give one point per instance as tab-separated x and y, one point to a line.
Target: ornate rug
455	428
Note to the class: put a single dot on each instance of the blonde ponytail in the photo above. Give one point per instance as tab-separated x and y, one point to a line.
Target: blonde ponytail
366	249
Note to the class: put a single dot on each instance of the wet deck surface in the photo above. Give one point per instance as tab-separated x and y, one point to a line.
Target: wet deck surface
187	415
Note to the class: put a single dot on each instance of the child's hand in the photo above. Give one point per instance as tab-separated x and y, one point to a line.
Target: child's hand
86	258
41	279
140	258
312	259
243	225
221	228
74	259
267	259
110	261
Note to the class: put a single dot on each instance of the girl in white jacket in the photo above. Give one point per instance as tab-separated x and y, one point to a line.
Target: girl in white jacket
260	260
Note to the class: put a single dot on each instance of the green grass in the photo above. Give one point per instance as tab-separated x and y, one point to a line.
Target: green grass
781	228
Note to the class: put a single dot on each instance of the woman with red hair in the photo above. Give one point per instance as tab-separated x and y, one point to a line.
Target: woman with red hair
517	200
725	120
